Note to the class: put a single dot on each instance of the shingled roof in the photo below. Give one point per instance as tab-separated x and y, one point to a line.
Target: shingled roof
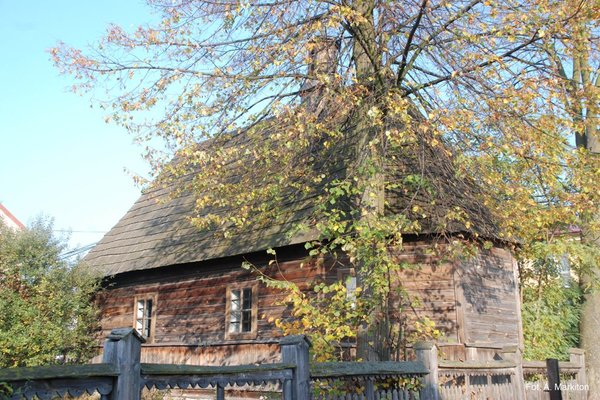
157	231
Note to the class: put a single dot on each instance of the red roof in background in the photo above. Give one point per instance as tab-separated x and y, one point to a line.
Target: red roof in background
11	217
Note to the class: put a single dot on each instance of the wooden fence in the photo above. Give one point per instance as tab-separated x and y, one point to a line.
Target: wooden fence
573	381
121	376
367	380
505	378
500	379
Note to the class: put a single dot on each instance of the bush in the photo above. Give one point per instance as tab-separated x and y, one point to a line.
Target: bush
46	310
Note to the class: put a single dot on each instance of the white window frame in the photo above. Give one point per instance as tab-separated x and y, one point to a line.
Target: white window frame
236	313
144	320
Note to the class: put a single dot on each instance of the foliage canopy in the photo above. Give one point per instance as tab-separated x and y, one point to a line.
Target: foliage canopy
486	75
46	311
498	87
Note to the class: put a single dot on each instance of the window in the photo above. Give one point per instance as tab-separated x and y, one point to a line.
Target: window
348	277
564	269
241	310
240	315
144	315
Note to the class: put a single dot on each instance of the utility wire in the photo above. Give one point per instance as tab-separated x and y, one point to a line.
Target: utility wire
77	251
72	231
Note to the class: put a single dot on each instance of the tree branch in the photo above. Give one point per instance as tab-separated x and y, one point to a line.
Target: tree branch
455	74
401	70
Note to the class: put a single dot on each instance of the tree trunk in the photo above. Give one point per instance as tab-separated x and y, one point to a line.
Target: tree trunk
590	327
369	164
590	315
368	157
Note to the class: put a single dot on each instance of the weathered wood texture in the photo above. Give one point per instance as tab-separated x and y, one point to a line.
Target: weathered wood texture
487	300
376	393
427	354
122	376
473	302
125	376
190	308
226	354
449	380
429	290
122	349
573	378
46	382
499	379
57	371
328	370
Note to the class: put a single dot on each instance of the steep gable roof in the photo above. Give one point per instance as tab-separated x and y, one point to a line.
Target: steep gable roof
157	230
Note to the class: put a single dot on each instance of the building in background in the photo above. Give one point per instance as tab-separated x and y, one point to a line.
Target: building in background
10	220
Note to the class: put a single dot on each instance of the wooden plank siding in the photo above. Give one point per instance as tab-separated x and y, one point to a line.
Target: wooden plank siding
472	302
190	311
487	292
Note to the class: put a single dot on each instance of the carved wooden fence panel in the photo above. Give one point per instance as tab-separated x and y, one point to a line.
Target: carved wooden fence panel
52	381
121	376
366	380
458	380
573	381
474	380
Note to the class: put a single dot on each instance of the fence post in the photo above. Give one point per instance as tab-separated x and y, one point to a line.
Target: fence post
553	373
427	354
220	392
513	353
294	350
122	349
577	357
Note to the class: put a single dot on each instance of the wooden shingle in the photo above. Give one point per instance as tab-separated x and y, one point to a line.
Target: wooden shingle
157	230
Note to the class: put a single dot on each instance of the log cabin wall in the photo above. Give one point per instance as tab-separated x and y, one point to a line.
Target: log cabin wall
190	302
430	287
488	290
474	302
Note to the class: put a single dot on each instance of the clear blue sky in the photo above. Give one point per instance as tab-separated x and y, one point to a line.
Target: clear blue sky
57	156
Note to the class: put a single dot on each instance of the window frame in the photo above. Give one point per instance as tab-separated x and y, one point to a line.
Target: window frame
253	333
145	297
347	276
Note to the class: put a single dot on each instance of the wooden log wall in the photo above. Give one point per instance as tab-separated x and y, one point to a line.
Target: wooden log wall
473	302
487	289
430	289
190	306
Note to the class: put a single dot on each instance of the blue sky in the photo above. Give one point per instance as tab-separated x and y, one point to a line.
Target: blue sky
57	155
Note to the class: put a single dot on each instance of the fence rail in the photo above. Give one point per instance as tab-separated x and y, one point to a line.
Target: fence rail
166	376
572	378
58	371
382	369
365	380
